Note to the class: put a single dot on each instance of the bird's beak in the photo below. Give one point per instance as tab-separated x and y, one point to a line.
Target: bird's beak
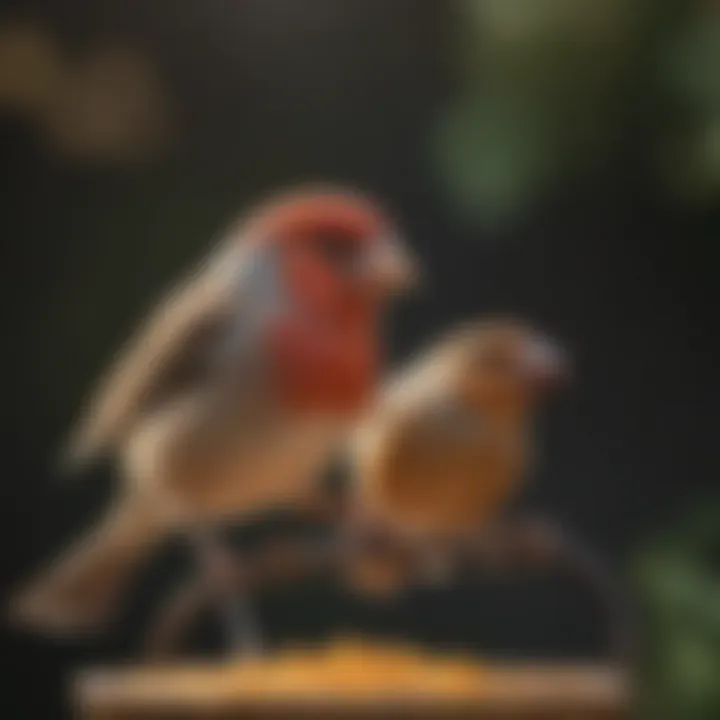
546	364
391	267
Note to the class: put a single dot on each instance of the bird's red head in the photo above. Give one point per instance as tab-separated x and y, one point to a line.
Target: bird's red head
339	251
340	259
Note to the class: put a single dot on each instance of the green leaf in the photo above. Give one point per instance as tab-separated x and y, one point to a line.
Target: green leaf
492	158
680	595
690	69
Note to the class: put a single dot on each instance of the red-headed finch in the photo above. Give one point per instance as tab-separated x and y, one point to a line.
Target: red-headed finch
237	390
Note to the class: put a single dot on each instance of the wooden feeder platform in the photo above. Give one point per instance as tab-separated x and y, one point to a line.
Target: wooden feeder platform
355	680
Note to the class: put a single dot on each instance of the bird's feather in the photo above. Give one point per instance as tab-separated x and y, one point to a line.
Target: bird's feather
170	353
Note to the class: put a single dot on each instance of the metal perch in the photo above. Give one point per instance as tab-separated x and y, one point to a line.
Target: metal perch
528	545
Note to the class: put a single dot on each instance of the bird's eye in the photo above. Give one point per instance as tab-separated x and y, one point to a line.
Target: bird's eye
338	250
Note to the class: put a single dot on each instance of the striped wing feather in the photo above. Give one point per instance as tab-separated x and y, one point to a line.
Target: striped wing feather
165	356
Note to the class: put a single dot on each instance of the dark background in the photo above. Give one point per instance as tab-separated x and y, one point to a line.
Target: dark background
271	93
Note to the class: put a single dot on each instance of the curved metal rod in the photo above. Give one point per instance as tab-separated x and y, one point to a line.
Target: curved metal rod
594	574
529	545
537	544
276	564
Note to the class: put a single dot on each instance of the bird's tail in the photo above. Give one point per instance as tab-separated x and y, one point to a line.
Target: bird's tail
83	588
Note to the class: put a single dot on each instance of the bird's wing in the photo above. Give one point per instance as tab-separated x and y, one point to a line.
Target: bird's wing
162	358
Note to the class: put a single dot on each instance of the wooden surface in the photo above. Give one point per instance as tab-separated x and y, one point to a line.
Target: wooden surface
360	681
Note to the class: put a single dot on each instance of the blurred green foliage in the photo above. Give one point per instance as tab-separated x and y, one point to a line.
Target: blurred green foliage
552	88
679	592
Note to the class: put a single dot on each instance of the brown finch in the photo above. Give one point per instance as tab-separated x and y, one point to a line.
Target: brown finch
449	441
235	393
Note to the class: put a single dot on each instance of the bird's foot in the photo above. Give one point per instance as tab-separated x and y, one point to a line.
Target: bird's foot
241	626
224	574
